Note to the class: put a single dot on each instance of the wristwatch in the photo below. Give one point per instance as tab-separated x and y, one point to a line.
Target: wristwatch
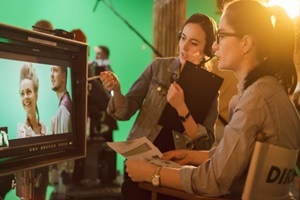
184	118
155	178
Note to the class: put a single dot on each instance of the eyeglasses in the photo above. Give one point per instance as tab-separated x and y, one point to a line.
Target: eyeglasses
223	34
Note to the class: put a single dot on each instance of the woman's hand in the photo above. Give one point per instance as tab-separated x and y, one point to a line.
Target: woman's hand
186	157
181	156
110	81
175	96
139	170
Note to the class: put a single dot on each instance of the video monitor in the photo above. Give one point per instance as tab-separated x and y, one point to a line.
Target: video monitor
43	84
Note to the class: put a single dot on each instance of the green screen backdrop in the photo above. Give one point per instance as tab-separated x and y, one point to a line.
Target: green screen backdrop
129	54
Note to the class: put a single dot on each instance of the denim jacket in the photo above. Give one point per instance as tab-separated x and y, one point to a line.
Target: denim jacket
148	94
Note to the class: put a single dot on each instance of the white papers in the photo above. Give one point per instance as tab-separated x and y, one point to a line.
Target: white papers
141	148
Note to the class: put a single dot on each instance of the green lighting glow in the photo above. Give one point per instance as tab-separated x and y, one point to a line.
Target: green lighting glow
4	40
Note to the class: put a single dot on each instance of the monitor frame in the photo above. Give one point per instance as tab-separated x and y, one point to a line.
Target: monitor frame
31	46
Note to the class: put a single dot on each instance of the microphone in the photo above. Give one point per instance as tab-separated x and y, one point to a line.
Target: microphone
205	61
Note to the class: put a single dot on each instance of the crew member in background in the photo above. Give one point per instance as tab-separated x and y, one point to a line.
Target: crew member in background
101	126
102	57
107	124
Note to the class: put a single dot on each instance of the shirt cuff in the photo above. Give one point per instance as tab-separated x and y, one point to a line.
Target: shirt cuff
201	132
117	113
186	173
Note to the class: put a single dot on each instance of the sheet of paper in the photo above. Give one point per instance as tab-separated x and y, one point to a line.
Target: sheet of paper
141	148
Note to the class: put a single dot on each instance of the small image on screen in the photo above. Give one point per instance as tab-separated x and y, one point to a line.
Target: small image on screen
36	99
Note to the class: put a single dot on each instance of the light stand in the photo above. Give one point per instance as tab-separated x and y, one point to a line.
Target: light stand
128	24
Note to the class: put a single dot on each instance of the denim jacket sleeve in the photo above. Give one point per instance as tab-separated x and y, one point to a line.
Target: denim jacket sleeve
133	100
205	132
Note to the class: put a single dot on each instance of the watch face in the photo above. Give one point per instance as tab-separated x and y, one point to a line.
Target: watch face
155	180
182	119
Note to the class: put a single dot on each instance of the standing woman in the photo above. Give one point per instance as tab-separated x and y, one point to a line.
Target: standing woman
32	127
156	87
257	43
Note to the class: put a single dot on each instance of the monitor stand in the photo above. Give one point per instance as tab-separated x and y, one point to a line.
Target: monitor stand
25	184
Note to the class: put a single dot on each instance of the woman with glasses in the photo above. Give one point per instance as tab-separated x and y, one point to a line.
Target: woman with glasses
256	43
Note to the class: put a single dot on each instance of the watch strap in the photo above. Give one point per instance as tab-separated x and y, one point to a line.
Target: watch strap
184	118
156	175
157	171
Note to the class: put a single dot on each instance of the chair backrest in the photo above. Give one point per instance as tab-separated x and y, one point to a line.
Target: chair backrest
271	172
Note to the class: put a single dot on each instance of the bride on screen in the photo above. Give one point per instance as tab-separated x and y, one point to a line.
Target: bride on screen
29	85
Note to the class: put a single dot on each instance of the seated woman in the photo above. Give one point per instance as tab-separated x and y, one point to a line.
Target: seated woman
260	52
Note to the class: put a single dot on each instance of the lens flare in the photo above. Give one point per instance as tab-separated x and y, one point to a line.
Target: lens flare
292	7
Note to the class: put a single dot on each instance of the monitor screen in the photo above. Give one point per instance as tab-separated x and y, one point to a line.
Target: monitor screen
43	84
15	97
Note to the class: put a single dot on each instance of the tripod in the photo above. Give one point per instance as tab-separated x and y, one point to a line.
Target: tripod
26	183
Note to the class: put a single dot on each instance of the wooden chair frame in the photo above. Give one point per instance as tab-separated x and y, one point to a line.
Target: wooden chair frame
178	193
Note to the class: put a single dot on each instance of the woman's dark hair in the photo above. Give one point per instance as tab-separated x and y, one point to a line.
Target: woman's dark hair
209	27
273	34
105	49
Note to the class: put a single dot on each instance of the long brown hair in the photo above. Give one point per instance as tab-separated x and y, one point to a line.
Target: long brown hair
273	33
209	27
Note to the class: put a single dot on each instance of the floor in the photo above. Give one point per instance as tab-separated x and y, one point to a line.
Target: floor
98	191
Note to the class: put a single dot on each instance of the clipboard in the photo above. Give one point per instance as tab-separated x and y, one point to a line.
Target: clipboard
200	89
